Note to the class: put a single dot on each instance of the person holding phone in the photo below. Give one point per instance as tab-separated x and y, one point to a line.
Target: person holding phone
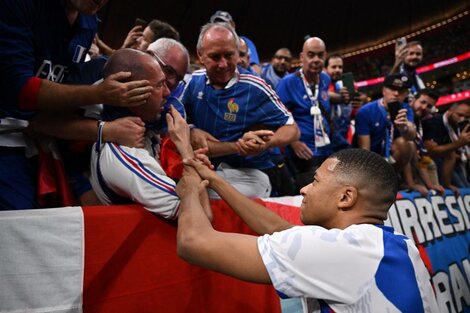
385	126
340	103
408	56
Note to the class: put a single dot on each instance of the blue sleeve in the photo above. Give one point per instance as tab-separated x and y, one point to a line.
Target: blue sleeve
273	110
254	58
362	123
17	59
282	91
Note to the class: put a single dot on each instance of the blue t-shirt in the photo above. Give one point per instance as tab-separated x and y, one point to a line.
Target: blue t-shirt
291	90
371	119
36	39
246	103
252	52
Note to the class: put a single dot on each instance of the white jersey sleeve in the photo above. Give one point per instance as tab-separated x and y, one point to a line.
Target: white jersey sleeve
136	175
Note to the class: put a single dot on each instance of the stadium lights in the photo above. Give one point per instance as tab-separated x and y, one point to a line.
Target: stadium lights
413	34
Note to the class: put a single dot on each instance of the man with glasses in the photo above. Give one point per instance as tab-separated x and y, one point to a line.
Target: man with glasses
278	68
173	58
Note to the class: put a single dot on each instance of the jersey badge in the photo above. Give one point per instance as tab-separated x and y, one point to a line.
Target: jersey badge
233	108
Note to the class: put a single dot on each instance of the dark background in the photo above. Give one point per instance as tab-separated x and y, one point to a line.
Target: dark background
343	25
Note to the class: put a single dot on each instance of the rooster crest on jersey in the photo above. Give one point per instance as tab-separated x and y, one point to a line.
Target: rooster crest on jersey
233	108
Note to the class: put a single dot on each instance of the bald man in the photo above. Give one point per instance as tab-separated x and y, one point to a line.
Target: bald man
343	260
122	174
305	94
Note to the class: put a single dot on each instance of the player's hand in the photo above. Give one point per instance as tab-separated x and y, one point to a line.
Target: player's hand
189	183
201	168
127	131
115	91
302	151
201	155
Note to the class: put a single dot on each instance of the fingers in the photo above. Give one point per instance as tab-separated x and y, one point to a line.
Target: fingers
120	76
201	151
137	120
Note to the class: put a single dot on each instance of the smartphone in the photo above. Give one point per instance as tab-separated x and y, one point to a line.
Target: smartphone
462	124
400	42
140	22
393	108
348	82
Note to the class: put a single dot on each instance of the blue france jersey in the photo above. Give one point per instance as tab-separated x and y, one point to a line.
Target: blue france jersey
291	90
36	39
371	120
245	104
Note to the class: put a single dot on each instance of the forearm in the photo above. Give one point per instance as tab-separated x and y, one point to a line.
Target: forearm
408	131
54	97
257	217
442	150
192	226
284	136
221	148
69	127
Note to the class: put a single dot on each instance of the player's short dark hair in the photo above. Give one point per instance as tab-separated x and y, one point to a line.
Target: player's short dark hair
368	168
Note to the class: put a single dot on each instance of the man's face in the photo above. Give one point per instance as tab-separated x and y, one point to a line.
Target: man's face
145	40
459	114
175	67
422	106
319	202
313	57
219	56
391	95
335	68
281	60
89	7
244	58
414	56
151	111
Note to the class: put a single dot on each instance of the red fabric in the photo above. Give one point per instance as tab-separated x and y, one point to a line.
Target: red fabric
170	158
53	185
131	265
28	99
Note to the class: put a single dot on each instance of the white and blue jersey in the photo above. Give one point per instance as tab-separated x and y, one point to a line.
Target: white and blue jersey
291	90
363	268
37	40
372	120
245	103
120	175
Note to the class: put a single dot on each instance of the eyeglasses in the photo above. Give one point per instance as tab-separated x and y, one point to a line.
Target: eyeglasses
168	70
279	57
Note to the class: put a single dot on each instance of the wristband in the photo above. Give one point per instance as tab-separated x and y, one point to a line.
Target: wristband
99	140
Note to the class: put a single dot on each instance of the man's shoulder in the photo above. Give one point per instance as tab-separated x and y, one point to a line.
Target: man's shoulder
368	107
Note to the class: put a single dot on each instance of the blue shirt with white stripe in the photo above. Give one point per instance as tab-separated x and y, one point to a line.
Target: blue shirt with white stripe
247	102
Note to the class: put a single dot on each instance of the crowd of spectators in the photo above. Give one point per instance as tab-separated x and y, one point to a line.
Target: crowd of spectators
377	63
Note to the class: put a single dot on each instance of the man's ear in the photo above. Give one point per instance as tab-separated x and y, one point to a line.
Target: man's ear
347	197
199	56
